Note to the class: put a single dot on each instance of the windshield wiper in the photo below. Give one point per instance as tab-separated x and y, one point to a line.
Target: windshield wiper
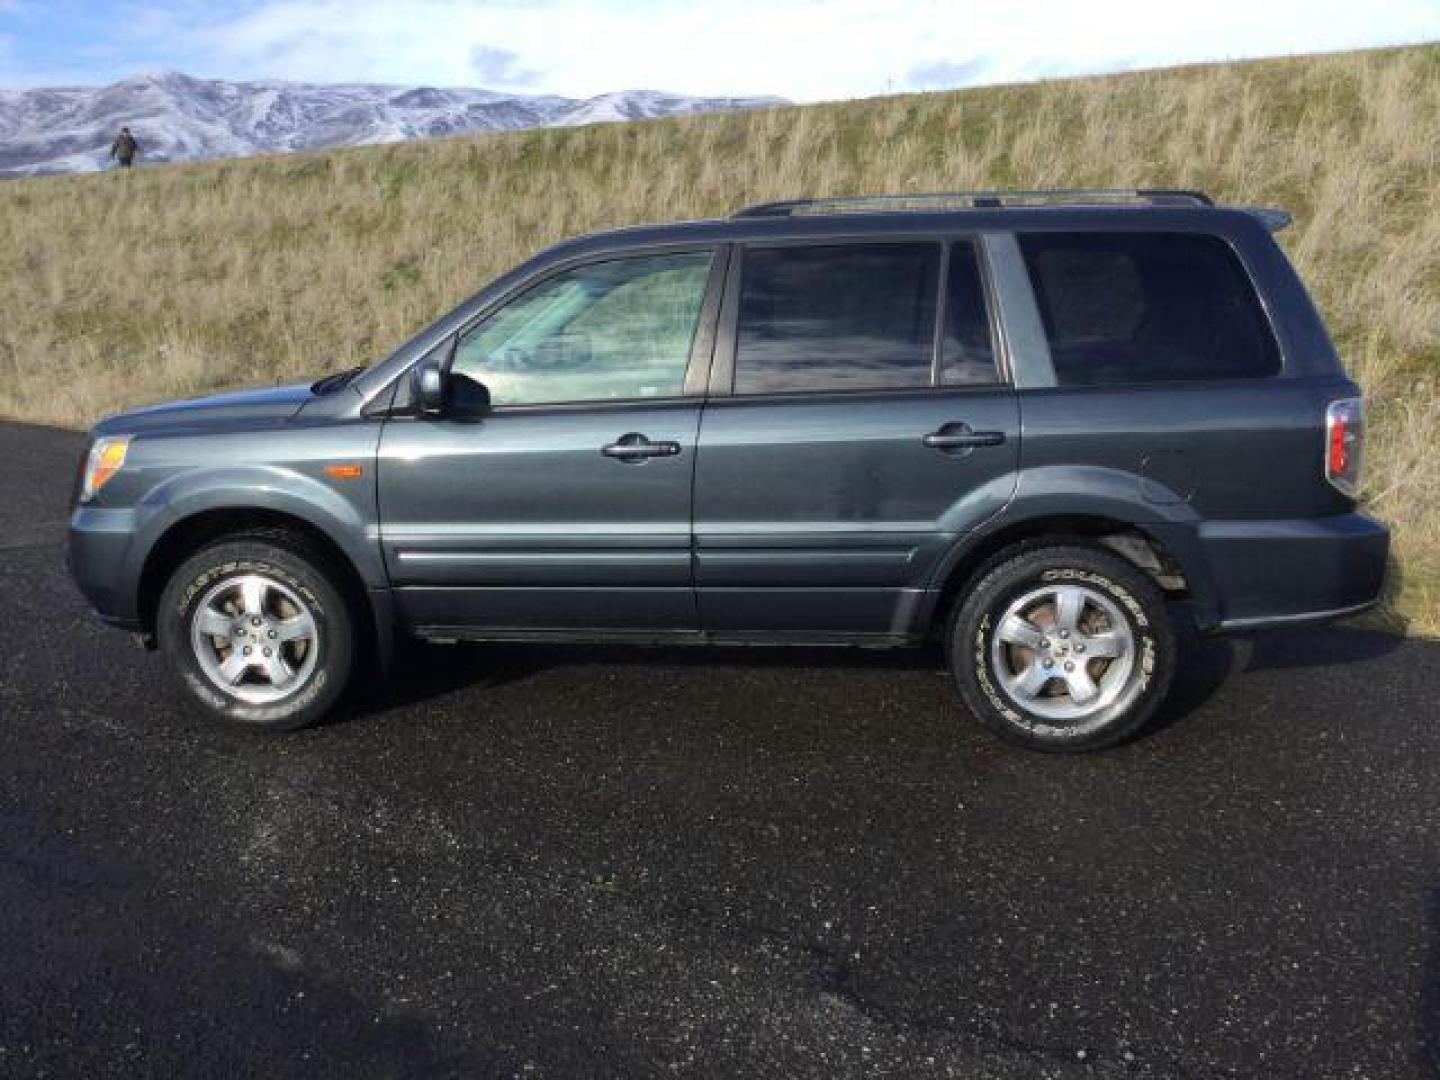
330	383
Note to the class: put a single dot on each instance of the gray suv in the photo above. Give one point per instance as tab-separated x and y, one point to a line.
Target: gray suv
1040	427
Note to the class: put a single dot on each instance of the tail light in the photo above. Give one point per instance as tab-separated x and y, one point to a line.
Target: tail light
1345	444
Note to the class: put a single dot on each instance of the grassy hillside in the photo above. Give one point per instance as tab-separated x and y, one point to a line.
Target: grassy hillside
127	288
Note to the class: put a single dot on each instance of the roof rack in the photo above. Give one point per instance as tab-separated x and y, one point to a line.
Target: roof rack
983	200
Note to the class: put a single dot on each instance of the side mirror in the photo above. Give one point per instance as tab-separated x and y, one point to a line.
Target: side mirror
467	398
429	379
436	391
429	393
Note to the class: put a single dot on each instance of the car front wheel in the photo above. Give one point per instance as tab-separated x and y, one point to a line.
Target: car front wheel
258	631
1063	647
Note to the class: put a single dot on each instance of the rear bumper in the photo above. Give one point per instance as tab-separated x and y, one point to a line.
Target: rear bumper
99	558
1259	574
1299	618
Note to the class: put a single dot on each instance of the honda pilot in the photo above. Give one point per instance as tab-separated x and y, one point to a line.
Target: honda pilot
1040	428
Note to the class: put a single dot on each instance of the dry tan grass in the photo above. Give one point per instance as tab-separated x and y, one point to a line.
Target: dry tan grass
126	288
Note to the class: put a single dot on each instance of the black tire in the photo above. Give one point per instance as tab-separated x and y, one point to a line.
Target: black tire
295	569
983	660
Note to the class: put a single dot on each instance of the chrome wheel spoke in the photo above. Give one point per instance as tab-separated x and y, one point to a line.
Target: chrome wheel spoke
296	628
1106	646
1016	630
1031	681
213	623
1081	686
234	668
1069	603
279	672
252	595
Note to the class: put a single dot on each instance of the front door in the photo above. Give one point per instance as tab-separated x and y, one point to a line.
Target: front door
567	504
848	443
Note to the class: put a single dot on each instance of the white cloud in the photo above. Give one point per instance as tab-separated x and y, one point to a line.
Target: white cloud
803	49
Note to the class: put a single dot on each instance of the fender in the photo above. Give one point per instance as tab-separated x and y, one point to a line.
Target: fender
274	488
1091	493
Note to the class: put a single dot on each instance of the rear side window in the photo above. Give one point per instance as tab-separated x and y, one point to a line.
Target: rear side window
1136	307
844	317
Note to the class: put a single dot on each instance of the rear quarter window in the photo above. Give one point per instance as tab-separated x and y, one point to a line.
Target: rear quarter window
1136	307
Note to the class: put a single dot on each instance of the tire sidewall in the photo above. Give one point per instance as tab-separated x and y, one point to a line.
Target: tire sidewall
195	577
1141	604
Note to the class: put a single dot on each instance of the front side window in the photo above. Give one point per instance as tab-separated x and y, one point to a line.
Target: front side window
1134	307
845	317
605	331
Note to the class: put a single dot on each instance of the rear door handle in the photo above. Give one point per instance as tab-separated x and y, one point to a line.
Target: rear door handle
634	447
959	436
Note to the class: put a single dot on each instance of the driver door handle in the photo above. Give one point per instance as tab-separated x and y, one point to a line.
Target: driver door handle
634	447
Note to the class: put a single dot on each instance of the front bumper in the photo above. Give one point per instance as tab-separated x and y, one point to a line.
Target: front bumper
99	557
1256	574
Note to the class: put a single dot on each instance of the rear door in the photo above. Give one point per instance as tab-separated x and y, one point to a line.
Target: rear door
567	505
859	422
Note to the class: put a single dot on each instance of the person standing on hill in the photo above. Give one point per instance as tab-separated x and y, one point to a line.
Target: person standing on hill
124	148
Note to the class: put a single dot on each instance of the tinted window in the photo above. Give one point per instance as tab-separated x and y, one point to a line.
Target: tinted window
836	318
969	356
610	330
1147	307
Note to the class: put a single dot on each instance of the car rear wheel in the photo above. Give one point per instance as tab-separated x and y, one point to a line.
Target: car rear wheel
258	631
1062	647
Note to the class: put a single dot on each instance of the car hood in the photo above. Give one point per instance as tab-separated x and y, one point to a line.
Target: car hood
241	408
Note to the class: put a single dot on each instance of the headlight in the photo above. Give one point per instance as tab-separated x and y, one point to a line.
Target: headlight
106	457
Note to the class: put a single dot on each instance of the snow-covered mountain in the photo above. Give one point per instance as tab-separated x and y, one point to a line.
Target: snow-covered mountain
179	118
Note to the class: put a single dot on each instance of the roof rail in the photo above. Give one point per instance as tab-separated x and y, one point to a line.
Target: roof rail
983	200
1271	217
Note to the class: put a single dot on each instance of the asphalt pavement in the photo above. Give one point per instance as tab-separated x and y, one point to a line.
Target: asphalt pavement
575	862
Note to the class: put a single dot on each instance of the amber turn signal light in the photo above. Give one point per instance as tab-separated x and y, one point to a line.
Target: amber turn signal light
106	457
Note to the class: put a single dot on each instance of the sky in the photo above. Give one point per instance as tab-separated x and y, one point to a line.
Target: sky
804	50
